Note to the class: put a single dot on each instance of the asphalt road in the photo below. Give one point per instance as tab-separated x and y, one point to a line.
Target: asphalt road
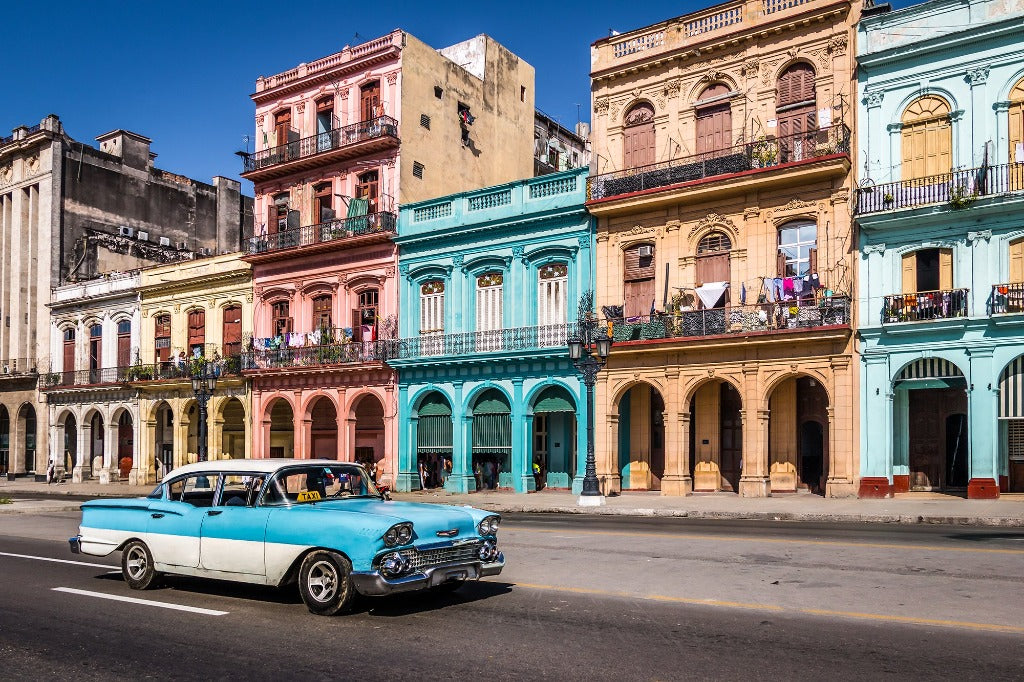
582	598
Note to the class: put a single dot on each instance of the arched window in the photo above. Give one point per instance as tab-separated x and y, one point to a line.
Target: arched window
490	308
322	308
432	317
798	249
638	146
162	338
196	332
927	138
369	101
325	121
714	119
795	112
712	264
282	128
232	331
638	278
1016	130
124	343
69	349
323	202
552	296
364	317
281	315
95	346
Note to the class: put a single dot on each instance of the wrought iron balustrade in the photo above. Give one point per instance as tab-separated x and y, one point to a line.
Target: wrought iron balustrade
84	377
758	154
803	313
321	233
318	355
925	305
959	189
492	341
1006	298
382	126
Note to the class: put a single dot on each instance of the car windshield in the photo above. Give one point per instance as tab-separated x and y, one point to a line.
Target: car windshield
312	483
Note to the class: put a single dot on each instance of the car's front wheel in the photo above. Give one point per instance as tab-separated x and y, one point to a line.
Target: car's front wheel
137	566
325	583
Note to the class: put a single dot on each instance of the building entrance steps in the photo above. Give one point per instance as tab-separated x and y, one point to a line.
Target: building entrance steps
1008	511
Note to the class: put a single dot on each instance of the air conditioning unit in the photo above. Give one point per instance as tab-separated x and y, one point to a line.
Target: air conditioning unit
645	251
143	236
165	241
125	231
181	246
205	251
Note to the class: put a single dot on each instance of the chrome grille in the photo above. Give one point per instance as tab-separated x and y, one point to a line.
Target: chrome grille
433	557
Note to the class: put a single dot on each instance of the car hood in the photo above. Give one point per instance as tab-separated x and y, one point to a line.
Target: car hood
427	519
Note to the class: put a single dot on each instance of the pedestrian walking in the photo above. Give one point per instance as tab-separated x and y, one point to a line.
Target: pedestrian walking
50	469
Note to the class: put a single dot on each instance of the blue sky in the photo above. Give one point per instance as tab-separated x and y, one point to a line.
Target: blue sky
181	72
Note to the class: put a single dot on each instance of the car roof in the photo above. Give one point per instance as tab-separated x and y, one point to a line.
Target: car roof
248	466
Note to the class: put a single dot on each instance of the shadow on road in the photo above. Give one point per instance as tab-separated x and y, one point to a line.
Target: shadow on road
983	537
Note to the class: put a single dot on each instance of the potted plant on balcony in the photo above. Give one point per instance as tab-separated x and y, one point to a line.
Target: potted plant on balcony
887	199
764	152
960	196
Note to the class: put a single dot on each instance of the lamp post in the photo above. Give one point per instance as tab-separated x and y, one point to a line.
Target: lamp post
204	382
589	352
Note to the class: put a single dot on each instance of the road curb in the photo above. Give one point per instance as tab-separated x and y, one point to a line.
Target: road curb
16	508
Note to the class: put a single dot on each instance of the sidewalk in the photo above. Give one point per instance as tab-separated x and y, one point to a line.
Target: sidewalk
905	508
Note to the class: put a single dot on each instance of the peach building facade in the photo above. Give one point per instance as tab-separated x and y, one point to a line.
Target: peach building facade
721	187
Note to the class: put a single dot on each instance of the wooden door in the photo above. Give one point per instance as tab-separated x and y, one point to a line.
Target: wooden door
232	332
796	112
162	338
909	272
282	126
638	137
369	98
197	331
937	438
730	438
69	352
367	189
926	139
714	129
1017	261
124	344
713	268
1015	454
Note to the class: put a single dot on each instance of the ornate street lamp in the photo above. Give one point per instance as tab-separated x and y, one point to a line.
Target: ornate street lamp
204	383
589	352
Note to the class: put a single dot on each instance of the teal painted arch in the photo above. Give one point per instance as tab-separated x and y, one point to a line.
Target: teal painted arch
429	271
471	397
551	253
1007	86
917	93
529	400
418	398
958	360
486	263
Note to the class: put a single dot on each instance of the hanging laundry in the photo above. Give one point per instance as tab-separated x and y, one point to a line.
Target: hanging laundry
743	293
769	287
815	282
314	337
777	285
798	285
787	286
711	293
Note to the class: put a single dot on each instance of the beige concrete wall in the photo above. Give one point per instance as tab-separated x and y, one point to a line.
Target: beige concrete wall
502	134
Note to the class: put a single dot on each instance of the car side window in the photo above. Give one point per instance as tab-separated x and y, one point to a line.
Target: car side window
198	490
240	490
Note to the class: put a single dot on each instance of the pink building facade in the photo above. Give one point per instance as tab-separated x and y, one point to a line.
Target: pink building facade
333	159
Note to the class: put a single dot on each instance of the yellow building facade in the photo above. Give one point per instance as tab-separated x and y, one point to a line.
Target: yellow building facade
199	308
724	251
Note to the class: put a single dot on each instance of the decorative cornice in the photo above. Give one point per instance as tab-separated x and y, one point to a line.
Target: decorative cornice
713	220
974	236
873	248
977	76
873	100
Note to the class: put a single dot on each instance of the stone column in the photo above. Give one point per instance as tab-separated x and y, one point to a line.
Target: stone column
522	479
754	481
109	445
461	479
676	479
405	458
983	426
83	446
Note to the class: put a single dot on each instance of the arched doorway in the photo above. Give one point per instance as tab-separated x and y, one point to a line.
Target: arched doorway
716	437
930	423
163	439
232	437
638	144
282	429
1015	121
191	424
714	120
5	440
70	442
642	438
433	440
323	429
926	138
554	438
125	444
369	430
798	436
27	436
713	269
1011	424
96	436
492	440
796	111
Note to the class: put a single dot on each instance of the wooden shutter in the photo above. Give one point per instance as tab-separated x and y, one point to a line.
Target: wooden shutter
232	331
926	138
370	94
124	350
638	297
1017	261
357	325
945	269
812	260
780	264
910	272
196	328
69	355
638	136
795	84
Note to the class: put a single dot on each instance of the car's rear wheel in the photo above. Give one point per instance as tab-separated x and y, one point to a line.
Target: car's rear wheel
325	583
137	566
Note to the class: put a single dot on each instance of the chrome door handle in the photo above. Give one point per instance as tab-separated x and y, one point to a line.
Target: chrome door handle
157	516
214	512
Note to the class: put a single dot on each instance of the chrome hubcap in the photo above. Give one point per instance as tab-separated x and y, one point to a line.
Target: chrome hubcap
322	581
136	562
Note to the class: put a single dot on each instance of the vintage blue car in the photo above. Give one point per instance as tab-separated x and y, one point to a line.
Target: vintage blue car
320	523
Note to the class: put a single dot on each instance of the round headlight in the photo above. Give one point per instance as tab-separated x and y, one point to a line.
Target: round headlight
391	537
392	564
404	534
495	522
486	550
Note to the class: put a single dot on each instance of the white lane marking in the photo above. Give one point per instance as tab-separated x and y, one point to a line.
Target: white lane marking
59	561
143	602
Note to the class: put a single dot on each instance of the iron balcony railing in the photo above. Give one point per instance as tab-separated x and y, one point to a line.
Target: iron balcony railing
1006	298
762	153
84	377
160	371
493	341
321	355
959	189
734	319
321	233
925	305
382	126
16	367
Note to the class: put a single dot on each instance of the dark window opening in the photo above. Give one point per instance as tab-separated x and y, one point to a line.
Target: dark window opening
417	169
438	91
928	270
425	121
282	321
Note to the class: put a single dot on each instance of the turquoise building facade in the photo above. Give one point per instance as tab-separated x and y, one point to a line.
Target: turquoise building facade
489	285
940	214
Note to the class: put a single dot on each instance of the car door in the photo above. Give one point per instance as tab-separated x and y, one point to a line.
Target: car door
234	529
173	529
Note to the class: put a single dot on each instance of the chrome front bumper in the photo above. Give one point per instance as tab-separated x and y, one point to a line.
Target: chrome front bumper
373	584
76	544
